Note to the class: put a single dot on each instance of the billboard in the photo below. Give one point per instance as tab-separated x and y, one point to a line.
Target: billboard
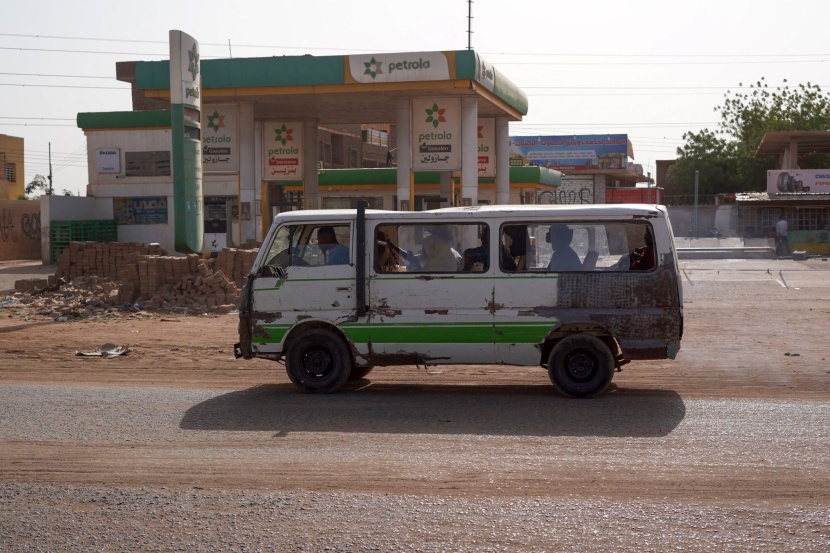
794	181
591	151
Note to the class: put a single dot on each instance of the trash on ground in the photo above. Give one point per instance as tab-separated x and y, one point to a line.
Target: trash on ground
106	350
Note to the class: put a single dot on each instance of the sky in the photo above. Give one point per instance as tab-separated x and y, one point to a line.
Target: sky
650	69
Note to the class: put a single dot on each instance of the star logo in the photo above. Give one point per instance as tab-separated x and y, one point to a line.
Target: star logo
435	115
373	67
193	66
283	135
481	131
216	121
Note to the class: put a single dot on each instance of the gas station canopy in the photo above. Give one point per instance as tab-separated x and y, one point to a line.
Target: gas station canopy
344	89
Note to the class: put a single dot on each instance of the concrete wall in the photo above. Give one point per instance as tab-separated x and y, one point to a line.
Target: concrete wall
724	217
11	152
20	230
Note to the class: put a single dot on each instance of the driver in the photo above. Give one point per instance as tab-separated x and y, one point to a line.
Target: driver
334	252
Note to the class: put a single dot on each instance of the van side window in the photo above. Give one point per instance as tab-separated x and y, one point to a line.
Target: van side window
426	248
310	245
568	246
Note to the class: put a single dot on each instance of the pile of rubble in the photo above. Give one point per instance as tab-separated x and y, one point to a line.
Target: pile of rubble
95	277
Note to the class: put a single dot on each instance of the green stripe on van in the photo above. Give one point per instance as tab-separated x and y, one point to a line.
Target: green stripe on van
427	333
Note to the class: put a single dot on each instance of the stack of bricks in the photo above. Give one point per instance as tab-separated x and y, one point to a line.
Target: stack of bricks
100	259
147	275
236	263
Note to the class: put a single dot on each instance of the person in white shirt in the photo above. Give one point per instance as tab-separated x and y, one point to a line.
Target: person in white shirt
781	241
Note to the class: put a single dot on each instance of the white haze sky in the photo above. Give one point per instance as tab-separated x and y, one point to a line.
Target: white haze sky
649	69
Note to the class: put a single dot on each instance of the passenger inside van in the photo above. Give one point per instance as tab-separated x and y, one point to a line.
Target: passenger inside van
335	253
642	258
438	254
478	259
564	258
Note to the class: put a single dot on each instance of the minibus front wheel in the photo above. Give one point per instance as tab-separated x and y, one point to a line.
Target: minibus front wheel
581	365
318	361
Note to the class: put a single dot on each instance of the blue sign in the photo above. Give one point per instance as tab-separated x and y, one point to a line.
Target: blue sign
587	151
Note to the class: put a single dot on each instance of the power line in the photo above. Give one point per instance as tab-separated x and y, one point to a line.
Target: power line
65	86
47	75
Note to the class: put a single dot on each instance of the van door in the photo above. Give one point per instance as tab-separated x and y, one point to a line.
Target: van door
422	307
309	274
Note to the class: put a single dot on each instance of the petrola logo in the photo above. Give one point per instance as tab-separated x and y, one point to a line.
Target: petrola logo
373	67
193	66
435	115
216	121
283	135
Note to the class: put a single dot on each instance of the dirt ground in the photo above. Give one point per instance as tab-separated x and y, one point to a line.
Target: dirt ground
738	422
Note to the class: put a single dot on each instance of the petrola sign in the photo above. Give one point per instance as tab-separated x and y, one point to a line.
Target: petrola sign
282	150
436	134
399	67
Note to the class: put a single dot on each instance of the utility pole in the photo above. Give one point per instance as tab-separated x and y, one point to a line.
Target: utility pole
469	24
50	170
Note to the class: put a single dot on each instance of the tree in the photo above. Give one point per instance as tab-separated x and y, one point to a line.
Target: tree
38	184
726	157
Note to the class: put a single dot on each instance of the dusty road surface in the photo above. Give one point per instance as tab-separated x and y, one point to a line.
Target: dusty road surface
176	446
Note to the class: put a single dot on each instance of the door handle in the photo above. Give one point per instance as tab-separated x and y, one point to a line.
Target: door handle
344	288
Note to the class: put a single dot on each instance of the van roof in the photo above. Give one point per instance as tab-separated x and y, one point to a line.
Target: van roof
491	212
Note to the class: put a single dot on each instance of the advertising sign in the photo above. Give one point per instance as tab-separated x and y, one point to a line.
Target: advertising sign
185	74
487	147
282	150
436	134
399	67
140	211
220	139
794	181
186	140
485	73
592	151
109	160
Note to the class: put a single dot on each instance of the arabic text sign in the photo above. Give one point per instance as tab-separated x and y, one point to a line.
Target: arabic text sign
150	210
487	147
220	139
436	134
593	151
282	150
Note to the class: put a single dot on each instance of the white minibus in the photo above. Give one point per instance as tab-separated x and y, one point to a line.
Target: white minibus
579	290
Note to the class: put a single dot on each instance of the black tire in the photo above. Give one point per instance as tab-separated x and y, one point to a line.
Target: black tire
359	372
319	361
581	366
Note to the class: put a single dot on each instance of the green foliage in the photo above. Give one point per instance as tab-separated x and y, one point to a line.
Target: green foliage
38	184
726	157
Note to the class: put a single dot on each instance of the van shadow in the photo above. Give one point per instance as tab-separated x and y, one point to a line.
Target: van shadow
405	409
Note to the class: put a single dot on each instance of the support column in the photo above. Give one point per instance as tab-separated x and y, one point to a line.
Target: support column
311	198
403	124
446	188
469	149
502	161
247	172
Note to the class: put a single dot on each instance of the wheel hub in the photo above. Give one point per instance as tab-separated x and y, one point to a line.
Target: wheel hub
317	362
581	366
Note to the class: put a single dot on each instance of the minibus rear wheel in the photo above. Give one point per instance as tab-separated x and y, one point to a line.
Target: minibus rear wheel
319	361
581	365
